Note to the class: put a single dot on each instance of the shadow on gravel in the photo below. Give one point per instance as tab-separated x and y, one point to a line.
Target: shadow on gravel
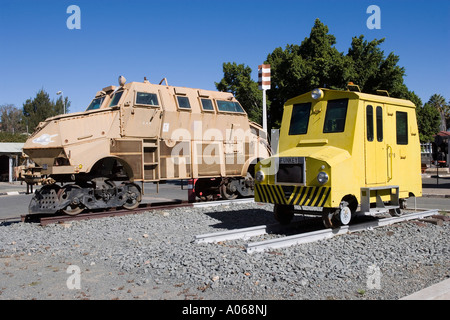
241	219
7	222
256	217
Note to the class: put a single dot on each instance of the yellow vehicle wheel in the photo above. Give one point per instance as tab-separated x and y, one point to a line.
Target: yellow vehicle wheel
342	215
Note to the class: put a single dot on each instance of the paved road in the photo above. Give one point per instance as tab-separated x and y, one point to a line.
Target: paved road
12	206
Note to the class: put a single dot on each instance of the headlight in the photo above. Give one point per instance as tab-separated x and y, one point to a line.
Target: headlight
317	94
259	176
322	177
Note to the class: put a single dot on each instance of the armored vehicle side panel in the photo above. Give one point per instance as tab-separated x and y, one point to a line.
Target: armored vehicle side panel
140	132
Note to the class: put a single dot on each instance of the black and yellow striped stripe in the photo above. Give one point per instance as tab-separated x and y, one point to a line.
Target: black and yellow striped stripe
299	195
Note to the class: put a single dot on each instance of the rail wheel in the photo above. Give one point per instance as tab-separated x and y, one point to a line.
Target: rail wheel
327	219
133	196
228	190
283	213
398	212
341	216
67	192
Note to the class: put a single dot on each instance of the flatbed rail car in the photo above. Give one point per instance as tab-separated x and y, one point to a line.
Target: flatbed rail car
340	150
143	132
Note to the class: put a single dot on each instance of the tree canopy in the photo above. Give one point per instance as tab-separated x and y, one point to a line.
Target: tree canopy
237	80
11	125
316	62
16	123
41	107
428	121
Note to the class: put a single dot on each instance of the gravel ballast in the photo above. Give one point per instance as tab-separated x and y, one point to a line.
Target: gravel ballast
153	256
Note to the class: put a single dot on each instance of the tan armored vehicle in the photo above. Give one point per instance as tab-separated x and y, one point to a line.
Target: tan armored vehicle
139	132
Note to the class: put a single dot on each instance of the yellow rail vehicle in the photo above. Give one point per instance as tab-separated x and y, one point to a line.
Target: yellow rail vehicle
340	150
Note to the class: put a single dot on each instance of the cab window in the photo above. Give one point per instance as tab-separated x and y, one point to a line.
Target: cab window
369	120
183	102
379	124
148	99
229	106
207	105
300	118
115	100
335	116
96	104
402	127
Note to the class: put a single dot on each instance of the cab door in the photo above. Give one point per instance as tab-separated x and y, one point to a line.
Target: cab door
142	117
375	151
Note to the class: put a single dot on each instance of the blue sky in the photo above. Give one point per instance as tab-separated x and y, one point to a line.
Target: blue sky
187	41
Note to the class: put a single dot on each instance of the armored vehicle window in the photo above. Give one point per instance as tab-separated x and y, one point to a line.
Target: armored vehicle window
115	100
207	105
369	120
183	102
335	116
300	118
229	106
402	127
148	99
96	103
379	124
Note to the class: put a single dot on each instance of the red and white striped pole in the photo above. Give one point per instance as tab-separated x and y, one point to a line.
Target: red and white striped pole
264	84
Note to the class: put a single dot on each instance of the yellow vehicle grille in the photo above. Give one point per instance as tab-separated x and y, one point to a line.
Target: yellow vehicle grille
289	195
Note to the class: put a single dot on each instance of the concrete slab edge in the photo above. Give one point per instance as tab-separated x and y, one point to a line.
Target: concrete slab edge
438	291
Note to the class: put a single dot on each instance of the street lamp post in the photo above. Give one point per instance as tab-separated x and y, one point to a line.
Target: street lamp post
62	97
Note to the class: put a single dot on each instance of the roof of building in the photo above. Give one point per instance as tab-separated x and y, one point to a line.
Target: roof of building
444	134
11	148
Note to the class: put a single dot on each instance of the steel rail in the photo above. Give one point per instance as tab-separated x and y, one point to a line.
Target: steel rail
48	219
222	202
45	219
246	233
243	233
329	233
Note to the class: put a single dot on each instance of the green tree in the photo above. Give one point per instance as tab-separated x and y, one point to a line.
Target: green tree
40	108
301	68
11	119
428	121
11	124
12	137
237	80
438	102
372	71
314	63
448	118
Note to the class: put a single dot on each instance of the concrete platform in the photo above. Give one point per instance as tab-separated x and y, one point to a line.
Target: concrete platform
439	291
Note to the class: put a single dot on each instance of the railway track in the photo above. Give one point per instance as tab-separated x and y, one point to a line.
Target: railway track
45	219
306	237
